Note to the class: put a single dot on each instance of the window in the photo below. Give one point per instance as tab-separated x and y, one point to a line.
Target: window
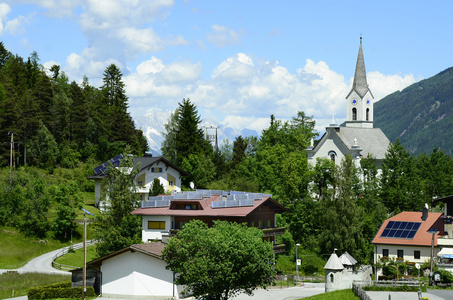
140	183
354	114
331	277
156	170
367	114
260	224
400	254
156	224
385	252
416	254
170	183
160	170
332	157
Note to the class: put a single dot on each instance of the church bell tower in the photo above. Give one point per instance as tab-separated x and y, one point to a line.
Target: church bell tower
360	100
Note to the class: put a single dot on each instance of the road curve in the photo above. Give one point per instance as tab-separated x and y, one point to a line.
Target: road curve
41	264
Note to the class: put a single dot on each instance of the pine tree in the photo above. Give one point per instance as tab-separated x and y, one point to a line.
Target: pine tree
189	137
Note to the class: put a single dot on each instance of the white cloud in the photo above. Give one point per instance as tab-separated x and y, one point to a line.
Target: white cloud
382	85
223	36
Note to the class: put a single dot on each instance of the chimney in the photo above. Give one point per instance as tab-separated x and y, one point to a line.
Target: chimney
425	212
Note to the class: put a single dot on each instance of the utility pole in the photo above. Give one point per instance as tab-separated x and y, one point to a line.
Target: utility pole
11	159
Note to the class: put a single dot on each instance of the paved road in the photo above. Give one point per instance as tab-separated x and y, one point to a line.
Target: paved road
40	264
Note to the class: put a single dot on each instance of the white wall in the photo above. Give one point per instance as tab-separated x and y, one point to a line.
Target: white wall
154	234
136	274
425	252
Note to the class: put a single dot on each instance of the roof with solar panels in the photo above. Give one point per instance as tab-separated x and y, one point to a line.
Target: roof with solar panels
145	162
212	203
410	228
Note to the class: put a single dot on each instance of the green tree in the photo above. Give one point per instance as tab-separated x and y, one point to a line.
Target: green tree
116	228
399	182
189	138
168	146
67	196
220	262
157	188
45	148
200	168
343	216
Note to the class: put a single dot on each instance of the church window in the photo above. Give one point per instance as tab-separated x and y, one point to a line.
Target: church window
367	114
331	277
354	114
332	155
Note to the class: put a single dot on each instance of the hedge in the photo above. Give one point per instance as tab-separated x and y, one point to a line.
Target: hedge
59	290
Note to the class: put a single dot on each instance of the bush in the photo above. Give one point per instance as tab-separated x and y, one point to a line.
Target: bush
59	290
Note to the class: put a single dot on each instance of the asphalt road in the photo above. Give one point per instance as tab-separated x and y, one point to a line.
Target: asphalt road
40	264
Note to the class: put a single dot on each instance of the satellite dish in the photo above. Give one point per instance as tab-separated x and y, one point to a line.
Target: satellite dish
417	265
192	185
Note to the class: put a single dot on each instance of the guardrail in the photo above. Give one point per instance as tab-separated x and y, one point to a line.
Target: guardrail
65	251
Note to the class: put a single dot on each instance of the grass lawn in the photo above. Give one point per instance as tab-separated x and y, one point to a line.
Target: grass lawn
20	283
16	249
76	258
335	295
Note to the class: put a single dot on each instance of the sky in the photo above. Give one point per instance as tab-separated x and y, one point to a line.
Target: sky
237	61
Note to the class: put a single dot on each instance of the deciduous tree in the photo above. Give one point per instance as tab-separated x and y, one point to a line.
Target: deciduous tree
220	262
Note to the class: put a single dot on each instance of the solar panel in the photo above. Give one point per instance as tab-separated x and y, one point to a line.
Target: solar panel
400	230
115	162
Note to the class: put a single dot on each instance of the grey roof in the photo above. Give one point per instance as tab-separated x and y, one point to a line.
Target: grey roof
370	140
334	263
347	260
360	84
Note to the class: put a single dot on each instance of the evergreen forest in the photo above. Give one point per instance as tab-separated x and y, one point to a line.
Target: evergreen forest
426	116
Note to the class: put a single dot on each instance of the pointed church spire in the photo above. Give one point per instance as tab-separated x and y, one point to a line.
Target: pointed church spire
360	84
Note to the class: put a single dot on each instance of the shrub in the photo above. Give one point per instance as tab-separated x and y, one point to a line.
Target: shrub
59	290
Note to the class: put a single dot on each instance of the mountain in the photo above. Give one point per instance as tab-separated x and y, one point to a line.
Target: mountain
421	115
152	125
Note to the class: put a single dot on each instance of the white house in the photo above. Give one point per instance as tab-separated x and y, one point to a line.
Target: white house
356	137
137	271
409	237
151	167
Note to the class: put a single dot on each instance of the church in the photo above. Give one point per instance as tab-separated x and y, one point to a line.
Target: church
356	136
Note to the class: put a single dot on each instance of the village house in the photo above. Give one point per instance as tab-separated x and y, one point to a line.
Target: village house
409	237
151	167
162	216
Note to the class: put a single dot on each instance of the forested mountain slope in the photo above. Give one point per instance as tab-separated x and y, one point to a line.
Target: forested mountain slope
421	115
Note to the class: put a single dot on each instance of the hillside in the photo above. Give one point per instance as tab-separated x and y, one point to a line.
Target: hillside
421	115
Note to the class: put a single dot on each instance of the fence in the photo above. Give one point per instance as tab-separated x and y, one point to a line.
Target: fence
67	250
357	286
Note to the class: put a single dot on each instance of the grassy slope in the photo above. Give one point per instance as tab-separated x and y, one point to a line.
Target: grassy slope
335	295
76	258
16	249
20	283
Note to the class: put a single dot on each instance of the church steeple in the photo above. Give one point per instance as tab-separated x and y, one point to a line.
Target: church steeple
360	99
360	84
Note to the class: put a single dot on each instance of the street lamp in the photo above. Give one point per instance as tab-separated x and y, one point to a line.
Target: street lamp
297	263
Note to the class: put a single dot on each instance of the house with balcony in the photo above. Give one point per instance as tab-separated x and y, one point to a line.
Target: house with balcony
445	255
151	167
163	215
409	237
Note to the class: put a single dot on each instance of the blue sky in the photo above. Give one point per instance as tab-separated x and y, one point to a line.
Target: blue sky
238	61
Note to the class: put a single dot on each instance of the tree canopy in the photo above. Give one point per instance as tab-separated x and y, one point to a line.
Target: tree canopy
221	261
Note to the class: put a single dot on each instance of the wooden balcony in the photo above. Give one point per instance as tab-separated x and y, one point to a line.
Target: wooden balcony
274	231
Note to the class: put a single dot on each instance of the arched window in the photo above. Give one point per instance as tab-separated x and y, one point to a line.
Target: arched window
367	114
331	278
332	155
354	114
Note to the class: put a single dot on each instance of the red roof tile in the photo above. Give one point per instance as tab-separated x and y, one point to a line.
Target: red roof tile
422	238
207	210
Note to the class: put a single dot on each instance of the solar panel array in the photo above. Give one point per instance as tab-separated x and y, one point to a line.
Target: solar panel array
232	203
115	162
400	230
155	203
